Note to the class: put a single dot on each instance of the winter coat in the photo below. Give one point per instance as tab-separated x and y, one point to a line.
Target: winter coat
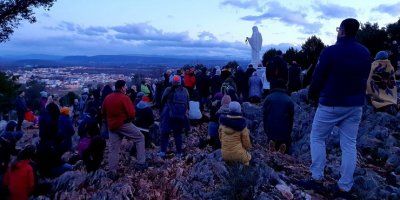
215	105
340	79
20	180
166	125
278	113
20	105
256	86
294	83
241	81
48	126
216	83
189	81
118	109
381	85
65	133
194	110
144	115
235	139
203	85
277	73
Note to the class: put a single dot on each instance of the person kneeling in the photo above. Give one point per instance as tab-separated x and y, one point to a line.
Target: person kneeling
278	120
234	136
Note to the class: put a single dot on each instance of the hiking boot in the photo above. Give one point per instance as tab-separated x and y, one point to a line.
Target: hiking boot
271	146
282	149
312	184
141	166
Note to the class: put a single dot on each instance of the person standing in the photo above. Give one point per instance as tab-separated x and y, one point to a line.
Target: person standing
294	83
339	83
277	72
21	107
174	116
119	111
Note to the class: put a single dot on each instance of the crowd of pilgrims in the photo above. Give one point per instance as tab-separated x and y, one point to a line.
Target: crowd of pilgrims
148	113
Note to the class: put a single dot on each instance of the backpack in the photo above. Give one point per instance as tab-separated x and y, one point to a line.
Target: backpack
178	105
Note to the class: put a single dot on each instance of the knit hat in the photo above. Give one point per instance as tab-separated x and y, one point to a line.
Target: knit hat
146	99
382	55
235	107
226	100
64	111
176	80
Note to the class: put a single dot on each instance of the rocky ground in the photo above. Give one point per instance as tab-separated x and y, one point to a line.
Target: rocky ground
203	175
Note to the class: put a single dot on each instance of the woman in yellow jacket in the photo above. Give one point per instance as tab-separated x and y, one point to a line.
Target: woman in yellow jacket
234	136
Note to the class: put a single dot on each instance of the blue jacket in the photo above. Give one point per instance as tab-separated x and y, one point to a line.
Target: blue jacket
340	78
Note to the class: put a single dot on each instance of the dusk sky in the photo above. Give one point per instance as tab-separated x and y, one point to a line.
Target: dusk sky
187	27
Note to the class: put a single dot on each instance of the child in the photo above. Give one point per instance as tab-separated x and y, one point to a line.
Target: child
19	178
234	135
278	120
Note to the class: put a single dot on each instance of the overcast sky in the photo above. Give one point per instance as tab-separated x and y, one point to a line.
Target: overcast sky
187	27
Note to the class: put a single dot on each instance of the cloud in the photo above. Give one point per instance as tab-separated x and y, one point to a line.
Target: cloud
331	10
246	4
144	31
71	27
276	11
205	35
136	38
391	9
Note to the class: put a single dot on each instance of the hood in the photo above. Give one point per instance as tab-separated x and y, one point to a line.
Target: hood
235	123
142	105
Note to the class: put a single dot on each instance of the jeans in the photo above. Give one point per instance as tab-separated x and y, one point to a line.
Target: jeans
115	137
165	141
347	119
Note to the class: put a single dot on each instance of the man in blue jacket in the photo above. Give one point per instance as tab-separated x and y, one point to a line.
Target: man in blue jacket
339	84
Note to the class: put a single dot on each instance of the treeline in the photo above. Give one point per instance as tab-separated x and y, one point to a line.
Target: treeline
371	35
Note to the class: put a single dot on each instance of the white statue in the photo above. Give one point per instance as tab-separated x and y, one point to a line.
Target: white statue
256	44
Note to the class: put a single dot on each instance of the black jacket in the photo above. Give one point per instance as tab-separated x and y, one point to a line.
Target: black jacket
278	113
277	73
294	83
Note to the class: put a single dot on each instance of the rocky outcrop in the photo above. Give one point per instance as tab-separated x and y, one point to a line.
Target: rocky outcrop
203	175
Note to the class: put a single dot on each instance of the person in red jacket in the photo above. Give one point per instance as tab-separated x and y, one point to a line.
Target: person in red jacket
119	111
189	81
20	179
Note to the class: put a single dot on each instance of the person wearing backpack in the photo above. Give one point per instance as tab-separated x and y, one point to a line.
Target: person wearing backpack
174	116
